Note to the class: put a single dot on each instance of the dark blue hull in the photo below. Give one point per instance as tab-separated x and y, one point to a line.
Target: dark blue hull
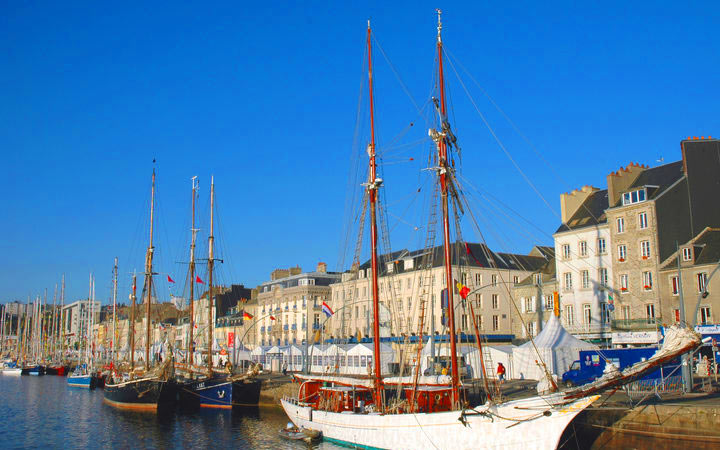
216	392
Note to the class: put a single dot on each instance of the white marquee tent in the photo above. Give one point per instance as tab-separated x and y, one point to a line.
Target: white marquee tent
557	348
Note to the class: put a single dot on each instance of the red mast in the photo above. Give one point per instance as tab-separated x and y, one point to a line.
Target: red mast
443	168
372	187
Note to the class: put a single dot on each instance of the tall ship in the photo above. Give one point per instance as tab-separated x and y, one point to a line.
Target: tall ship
418	411
146	388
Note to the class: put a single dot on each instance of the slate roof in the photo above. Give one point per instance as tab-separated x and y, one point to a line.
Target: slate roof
706	249
591	213
480	256
661	176
547	272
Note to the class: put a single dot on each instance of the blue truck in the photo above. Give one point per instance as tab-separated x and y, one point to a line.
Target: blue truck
591	364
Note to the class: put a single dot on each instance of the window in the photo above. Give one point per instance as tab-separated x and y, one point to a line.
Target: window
583	248
463	278
687	254
645	249
622	253
642	221
478	279
675	285
604	313
464	322
620	224
569	314
566	251
603	276
496	323
601	246
549	301
408	284
390	267
624	282
567	279
516	279
479	300
705	315
650	312
636	196
495	301
493	280
531	329
529	304
587	314
585	275
409	300
647	281
480	323
538	278
626	312
701	281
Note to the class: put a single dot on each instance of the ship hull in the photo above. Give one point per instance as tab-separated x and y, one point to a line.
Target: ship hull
81	381
216	392
145	394
518	424
12	372
246	392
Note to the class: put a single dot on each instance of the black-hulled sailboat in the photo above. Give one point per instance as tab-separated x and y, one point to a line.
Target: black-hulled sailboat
150	388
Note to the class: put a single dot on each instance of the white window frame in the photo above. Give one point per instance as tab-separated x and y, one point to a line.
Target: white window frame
687	254
701	281
601	246
642	221
620	224
650	311
566	251
624	283
647	281
587	314
585	279
495	301
645	249
603	276
567	281
675	286
583	248
705	315
569	314
622	253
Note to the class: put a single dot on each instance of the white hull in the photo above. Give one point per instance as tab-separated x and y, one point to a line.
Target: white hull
12	371
518	424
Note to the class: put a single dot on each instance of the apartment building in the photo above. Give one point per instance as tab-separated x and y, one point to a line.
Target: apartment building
289	306
75	316
583	264
653	211
410	279
534	296
695	279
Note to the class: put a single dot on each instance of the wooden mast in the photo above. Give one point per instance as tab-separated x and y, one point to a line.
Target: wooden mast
211	263
190	347
113	343
62	321
53	326
133	298
148	276
443	169
372	187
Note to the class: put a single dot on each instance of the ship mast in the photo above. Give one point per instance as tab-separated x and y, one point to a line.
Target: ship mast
148	276
373	185
62	321
115	285
190	351
443	172
211	263
133	298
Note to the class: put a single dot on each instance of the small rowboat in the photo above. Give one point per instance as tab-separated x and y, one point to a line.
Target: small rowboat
297	434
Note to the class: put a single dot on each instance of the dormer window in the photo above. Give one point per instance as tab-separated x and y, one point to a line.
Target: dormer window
687	254
635	196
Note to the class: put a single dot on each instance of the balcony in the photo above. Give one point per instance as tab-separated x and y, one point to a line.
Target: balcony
593	328
635	324
317	307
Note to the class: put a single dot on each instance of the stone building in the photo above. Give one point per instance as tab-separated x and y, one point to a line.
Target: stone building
583	263
410	279
534	296
289	306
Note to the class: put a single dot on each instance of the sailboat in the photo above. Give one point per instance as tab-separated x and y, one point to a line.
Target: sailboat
434	415
83	375
212	388
148	389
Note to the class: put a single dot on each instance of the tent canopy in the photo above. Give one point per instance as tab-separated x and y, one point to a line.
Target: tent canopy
556	347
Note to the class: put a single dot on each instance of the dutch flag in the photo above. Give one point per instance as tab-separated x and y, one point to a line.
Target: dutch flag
327	310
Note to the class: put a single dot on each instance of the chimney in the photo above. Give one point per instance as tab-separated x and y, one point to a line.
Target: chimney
295	270
619	181
321	267
571	202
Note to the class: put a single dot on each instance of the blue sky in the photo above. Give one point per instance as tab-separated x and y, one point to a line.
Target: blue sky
265	98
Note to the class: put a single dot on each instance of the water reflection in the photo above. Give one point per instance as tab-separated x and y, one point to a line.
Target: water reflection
45	412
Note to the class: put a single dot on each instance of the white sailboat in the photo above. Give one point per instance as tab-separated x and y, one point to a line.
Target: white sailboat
434	415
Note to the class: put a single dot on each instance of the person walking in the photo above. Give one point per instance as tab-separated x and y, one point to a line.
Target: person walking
501	373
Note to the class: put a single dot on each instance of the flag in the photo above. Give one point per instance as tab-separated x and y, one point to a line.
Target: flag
170	280
327	310
272	318
198	280
463	290
247	316
231	340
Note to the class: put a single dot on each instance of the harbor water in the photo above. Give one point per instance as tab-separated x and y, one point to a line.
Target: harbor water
43	412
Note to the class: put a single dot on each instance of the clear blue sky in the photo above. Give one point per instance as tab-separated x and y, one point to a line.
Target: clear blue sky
265	96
